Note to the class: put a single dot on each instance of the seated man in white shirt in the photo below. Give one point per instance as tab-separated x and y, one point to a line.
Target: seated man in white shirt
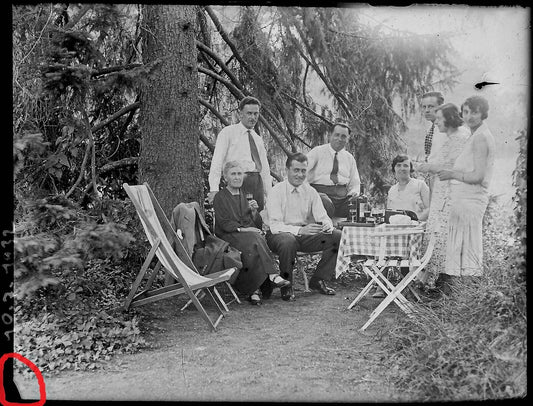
299	222
332	171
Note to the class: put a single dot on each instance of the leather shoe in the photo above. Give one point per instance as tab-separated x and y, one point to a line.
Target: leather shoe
280	282
320	285
255	299
287	294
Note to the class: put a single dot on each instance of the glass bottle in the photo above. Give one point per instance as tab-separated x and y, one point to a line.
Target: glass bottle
352	210
362	205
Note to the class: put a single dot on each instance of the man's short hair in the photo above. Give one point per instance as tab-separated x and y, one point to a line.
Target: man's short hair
248	100
342	123
438	95
297	156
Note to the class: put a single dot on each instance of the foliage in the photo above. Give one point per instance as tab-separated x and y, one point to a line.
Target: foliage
365	70
73	269
520	202
61	88
473	345
76	342
53	238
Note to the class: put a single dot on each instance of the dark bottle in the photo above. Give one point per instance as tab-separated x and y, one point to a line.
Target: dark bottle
362	206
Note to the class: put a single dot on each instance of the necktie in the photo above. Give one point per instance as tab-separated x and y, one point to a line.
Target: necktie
254	152
335	170
428	140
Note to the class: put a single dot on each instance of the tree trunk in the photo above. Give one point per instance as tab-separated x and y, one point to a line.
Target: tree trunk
170	159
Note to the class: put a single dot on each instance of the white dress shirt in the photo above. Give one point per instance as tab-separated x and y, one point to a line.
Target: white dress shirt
320	164
289	208
233	145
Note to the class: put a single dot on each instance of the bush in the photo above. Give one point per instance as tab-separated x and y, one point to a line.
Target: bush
73	269
78	342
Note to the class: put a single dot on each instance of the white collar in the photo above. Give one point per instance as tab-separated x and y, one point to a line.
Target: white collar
291	188
332	151
244	129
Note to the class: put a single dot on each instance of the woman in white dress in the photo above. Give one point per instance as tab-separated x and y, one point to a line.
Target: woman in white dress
449	122
409	193
470	177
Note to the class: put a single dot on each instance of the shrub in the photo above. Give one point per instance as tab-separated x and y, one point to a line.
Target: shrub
73	269
78	342
471	345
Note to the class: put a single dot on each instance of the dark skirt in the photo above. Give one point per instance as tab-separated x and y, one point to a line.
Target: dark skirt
257	261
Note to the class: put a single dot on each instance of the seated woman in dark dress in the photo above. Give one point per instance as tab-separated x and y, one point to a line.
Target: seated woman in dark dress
238	222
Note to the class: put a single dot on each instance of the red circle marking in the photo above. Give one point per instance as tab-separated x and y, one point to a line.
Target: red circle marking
33	367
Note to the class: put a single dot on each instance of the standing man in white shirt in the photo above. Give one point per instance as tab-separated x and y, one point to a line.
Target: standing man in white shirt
239	142
434	138
332	171
299	222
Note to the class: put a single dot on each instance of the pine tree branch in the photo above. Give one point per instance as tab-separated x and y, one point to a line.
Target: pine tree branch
304	91
112	69
77	17
118	164
220	62
207	143
245	65
214	111
82	170
225	36
239	95
343	103
115	116
308	109
93	151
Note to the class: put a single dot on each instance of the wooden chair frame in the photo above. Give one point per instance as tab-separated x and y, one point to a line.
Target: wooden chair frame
374	269
158	231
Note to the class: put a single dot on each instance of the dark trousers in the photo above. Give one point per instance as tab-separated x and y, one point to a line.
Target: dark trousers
286	245
334	199
253	183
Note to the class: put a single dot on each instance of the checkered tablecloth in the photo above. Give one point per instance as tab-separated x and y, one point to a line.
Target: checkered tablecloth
359	241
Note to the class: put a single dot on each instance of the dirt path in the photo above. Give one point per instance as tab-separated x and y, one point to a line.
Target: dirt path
307	350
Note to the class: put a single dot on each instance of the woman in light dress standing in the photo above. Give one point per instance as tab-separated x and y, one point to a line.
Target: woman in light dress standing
449	122
469	177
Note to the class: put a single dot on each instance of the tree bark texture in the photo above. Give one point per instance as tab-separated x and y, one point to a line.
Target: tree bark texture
170	159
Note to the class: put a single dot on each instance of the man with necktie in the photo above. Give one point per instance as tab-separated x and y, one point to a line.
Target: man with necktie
332	171
239	142
434	138
298	222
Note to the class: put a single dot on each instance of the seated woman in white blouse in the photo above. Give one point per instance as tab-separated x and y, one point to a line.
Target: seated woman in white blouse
409	193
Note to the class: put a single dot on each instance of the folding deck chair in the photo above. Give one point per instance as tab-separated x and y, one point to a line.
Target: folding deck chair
374	268
158	230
